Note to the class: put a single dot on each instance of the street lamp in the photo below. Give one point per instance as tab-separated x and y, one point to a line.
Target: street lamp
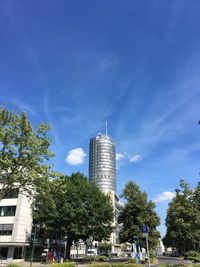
34	241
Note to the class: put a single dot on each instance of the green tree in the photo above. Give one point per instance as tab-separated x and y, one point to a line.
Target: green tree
138	211
183	219
76	208
23	154
105	246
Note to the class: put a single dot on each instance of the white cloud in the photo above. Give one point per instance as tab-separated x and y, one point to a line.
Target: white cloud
164	196
135	158
75	156
119	156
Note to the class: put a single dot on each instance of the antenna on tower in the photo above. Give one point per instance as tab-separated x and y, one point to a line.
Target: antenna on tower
106	128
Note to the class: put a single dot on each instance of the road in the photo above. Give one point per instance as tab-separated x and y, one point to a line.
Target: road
172	260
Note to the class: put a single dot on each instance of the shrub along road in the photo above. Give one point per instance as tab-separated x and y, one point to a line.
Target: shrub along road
167	260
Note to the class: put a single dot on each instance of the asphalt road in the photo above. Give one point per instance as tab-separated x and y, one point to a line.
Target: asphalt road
172	260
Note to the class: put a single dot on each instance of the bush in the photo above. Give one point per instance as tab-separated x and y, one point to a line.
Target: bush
88	258
65	264
113	255
191	253
101	258
99	265
132	261
133	265
117	264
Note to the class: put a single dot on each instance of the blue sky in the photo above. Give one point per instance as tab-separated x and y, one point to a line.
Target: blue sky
75	64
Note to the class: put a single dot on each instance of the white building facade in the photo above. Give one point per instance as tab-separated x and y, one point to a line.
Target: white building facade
15	226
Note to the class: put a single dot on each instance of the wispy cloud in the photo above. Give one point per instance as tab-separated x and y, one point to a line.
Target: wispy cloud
135	158
163	120
75	156
164	196
24	106
119	156
50	120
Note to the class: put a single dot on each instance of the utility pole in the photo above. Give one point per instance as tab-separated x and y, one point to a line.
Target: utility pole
33	247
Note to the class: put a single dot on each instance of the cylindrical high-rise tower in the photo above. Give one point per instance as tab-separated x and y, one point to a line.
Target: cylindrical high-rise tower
102	163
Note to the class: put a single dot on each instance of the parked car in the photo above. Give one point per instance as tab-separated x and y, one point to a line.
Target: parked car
44	252
91	253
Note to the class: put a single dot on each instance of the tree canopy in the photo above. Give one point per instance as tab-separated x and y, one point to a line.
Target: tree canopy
137	211
183	219
23	154
74	207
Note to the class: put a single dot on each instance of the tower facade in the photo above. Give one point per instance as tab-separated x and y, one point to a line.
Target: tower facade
102	170
102	163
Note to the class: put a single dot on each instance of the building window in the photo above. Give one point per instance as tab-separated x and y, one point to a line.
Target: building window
6	229
7	210
18	253
3	253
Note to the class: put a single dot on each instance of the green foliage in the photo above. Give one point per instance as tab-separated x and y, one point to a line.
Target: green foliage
136	212
65	264
105	246
132	261
183	219
151	255
191	253
13	265
117	264
74	207
23	154
99	265
101	258
88	258
134	265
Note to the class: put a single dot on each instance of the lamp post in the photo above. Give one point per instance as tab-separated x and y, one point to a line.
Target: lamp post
34	241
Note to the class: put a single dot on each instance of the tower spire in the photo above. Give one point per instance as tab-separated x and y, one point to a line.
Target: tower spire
106	128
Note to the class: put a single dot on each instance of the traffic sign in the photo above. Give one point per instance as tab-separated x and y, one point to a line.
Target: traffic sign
145	234
145	229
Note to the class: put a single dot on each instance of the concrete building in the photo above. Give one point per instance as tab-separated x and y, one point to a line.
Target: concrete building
102	170
15	226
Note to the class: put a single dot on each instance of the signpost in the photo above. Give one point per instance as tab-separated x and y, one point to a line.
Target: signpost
145	233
